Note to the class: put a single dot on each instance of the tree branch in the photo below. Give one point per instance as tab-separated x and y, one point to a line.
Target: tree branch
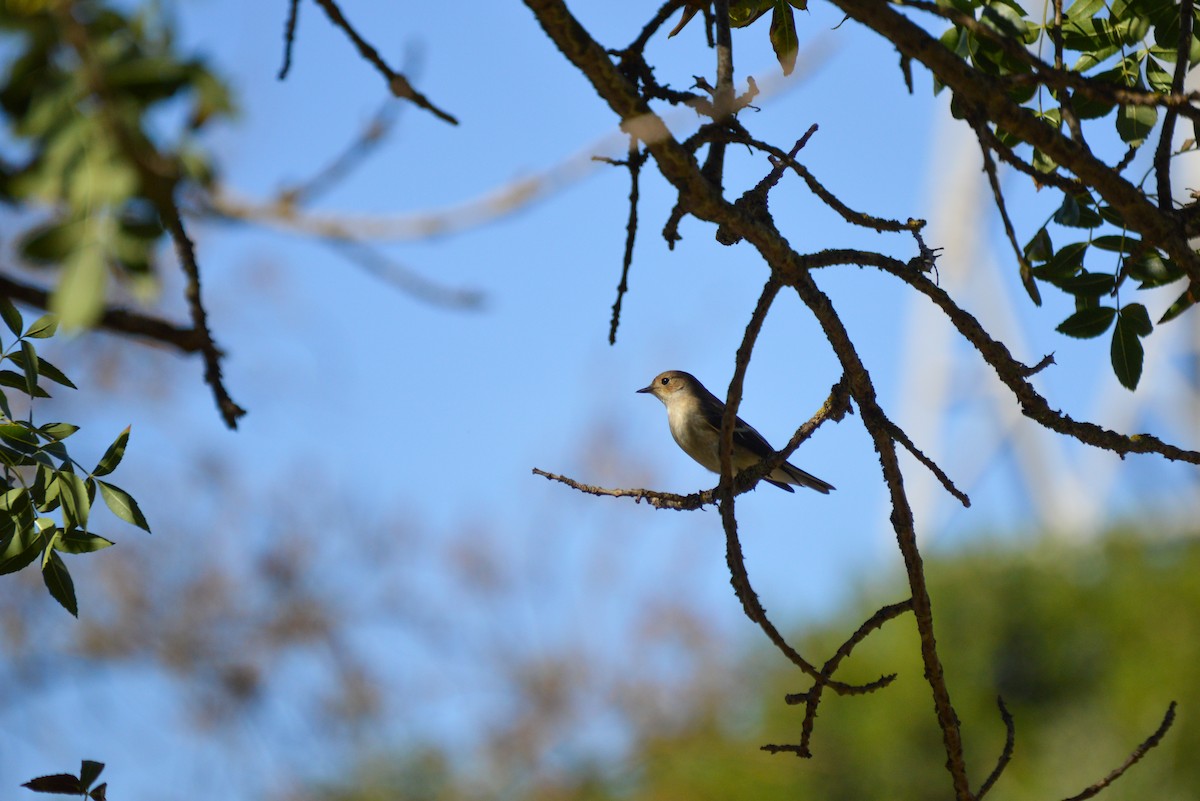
1139	752
398	83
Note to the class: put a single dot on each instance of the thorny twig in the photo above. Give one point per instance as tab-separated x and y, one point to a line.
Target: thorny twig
398	83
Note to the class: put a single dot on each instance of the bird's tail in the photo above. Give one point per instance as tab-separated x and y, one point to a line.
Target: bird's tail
800	478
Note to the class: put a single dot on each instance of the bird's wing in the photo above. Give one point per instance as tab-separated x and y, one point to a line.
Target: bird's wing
744	434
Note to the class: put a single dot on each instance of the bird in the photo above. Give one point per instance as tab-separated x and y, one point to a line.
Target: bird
694	415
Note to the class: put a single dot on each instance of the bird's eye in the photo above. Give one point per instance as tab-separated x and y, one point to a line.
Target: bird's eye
666	381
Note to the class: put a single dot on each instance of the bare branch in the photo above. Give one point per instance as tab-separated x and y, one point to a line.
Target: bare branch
397	82
289	37
811	699
901	437
634	164
230	411
120	321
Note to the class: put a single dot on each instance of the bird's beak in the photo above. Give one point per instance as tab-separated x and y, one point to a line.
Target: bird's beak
647	389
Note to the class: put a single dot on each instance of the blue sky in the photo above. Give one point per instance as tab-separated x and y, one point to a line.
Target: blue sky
372	404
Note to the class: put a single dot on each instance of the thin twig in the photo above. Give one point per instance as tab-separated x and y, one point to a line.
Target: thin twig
1134	758
812	698
1162	155
634	164
903	438
230	411
289	37
1026	270
370	137
1010	737
848	214
397	82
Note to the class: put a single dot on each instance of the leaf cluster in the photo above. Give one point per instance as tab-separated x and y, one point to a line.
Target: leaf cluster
46	496
81	88
1125	57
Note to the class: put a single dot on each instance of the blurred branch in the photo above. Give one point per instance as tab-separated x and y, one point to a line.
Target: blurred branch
396	274
359	149
1139	752
398	83
1010	735
160	176
120	321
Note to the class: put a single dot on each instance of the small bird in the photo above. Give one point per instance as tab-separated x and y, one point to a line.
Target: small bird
694	415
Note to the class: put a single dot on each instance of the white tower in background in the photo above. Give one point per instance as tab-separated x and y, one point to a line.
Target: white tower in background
1062	486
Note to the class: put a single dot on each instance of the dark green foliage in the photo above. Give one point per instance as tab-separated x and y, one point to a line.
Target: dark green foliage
46	497
79	89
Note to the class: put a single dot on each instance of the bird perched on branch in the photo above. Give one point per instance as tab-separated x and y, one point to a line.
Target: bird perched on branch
694	415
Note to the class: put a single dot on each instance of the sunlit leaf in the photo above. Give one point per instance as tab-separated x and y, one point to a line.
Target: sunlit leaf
123	505
112	457
12	317
77	542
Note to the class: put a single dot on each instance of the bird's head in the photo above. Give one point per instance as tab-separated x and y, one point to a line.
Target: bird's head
666	385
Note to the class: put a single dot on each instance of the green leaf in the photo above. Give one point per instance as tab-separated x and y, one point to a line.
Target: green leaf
89	771
1063	264
1152	270
20	541
1134	123
1127	354
30	366
1116	244
744	12
54	374
58	581
100	793
76	542
45	489
12	317
17	381
1158	78
43	327
74	496
1137	318
1091	284
783	36
1182	303
123	505
112	457
79	298
58	431
60	783
53	242
1040	248
1088	323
